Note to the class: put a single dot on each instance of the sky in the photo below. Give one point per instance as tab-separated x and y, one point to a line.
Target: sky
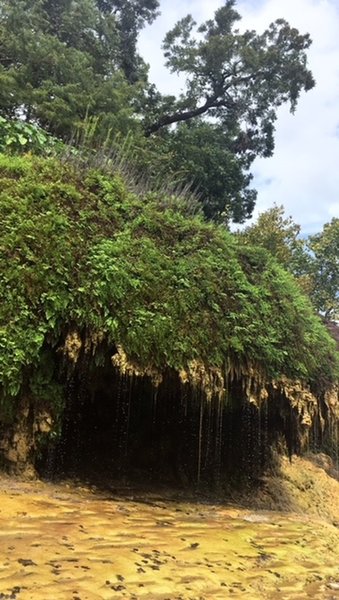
303	174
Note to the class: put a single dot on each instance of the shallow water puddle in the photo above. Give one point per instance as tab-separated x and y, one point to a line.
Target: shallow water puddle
71	544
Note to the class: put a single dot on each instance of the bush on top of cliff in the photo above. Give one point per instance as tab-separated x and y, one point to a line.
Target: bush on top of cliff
78	250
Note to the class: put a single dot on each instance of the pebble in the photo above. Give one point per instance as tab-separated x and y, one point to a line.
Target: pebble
333	585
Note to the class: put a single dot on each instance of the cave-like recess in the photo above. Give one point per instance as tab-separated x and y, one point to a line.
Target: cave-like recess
118	427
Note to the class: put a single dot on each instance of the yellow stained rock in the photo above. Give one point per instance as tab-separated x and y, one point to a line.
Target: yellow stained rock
68	543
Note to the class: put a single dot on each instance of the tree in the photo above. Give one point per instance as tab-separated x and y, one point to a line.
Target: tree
130	16
201	157
314	261
324	248
235	81
278	234
236	77
60	61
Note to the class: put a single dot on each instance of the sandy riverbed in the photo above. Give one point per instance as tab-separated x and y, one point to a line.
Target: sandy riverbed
66	542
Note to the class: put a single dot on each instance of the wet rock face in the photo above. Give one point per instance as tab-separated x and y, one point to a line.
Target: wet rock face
16	450
117	425
19	440
326	463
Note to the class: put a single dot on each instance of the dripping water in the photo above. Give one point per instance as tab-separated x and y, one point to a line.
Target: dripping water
208	436
265	445
200	436
218	442
154	407
129	385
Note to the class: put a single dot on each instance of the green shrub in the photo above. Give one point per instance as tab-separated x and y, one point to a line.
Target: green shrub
78	250
18	137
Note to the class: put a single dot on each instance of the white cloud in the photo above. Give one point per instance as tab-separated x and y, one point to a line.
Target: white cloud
303	175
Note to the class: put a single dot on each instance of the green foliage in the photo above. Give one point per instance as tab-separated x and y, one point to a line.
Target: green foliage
130	16
313	261
238	78
63	61
323	269
199	156
277	233
20	137
79	251
44	384
59	62
238	81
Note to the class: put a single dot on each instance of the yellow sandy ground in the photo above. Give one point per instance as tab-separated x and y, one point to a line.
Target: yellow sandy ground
59	542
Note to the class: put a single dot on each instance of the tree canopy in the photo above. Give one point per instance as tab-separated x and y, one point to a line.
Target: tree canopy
323	270
130	17
62	62
277	233
59	62
237	78
200	156
313	260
